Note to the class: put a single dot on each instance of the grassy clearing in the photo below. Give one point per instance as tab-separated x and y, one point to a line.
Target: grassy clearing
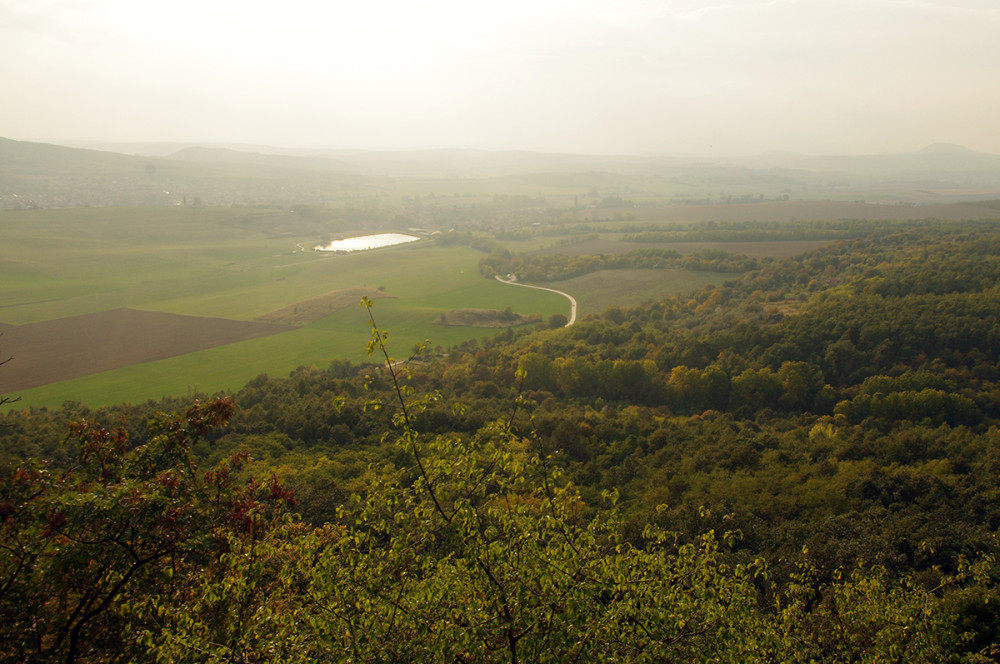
609	241
598	291
613	245
89	260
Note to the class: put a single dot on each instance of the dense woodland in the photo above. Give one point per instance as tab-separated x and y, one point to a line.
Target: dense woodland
798	464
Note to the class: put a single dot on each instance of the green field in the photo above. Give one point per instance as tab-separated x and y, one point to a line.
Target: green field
242	264
229	263
598	291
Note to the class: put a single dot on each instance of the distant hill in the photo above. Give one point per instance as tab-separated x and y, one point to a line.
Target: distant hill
46	175
229	156
935	158
44	158
40	174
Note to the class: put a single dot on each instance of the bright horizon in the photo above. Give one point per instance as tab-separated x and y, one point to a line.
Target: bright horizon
688	77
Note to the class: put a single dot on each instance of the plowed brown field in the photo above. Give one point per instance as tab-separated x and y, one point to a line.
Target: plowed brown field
67	348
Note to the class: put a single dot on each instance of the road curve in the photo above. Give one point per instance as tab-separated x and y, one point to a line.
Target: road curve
572	300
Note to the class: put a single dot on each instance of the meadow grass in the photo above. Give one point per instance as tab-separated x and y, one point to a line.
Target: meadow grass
598	291
205	262
59	263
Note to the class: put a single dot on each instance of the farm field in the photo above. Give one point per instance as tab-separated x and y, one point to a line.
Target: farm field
599	291
612	245
816	210
342	335
66	348
214	267
199	299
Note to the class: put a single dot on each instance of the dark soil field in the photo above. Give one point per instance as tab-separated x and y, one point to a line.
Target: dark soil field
67	348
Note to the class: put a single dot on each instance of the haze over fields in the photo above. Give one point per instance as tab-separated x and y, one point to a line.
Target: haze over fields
693	77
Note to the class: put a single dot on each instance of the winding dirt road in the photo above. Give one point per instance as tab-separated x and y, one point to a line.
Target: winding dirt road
572	300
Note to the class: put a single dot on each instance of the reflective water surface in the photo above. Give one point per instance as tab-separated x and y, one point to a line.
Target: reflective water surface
364	242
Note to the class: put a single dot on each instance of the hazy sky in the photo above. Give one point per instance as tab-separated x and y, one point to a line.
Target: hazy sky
705	77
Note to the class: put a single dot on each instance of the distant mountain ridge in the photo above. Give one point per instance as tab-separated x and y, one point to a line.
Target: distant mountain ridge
233	156
521	161
937	157
46	175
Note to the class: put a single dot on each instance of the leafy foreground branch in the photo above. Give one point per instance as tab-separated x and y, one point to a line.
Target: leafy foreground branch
476	553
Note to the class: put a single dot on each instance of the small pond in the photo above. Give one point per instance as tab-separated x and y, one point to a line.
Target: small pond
365	242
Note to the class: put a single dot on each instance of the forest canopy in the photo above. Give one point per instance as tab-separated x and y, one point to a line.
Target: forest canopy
798	464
